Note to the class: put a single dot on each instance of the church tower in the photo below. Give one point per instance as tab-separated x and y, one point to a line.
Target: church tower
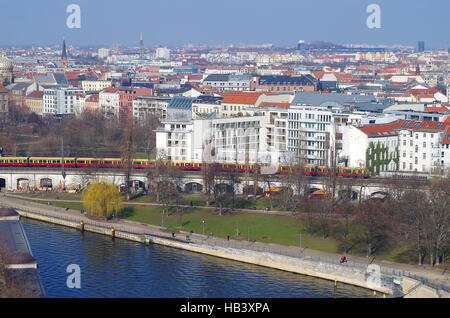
64	55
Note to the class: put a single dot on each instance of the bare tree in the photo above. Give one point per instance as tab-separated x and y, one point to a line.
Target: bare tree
373	225
128	152
437	224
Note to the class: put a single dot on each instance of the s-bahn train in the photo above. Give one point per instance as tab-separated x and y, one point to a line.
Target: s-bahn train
54	162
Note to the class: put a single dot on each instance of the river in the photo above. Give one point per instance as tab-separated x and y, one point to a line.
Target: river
121	268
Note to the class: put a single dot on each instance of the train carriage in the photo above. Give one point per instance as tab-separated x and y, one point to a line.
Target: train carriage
14	161
50	162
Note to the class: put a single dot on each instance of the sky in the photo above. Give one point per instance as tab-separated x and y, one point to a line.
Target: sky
218	22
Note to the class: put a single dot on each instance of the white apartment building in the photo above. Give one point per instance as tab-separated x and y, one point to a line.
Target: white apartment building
424	150
174	141
310	131
60	100
403	145
240	139
373	147
109	102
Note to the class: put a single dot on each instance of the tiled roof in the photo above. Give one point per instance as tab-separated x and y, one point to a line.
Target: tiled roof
446	136
391	129
248	98
437	109
36	94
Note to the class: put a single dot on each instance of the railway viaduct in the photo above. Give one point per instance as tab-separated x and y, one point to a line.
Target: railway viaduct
23	179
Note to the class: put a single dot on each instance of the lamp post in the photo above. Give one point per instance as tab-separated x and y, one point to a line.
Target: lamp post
203	221
300	242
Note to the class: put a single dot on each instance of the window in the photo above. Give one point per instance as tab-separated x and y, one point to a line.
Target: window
424	155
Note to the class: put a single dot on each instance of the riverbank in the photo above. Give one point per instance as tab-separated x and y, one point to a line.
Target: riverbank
307	262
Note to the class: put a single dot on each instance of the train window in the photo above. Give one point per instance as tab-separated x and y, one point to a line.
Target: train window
94	162
177	164
107	162
188	164
138	162
80	161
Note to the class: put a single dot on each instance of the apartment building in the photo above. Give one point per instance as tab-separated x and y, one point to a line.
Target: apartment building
109	102
146	106
95	86
60	100
228	82
34	101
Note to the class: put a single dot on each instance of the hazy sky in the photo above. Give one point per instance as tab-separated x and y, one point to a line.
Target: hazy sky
211	22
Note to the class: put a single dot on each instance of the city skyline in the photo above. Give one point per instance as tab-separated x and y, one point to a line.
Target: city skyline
175	23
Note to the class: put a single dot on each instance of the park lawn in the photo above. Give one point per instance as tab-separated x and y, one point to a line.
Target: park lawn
53	195
283	230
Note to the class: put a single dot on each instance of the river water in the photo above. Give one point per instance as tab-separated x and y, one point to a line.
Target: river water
121	268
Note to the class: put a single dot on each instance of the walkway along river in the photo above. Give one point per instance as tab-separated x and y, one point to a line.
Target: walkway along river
373	277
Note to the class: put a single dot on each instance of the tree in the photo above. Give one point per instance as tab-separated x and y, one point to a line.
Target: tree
345	211
372	225
9	148
102	199
437	223
128	151
412	213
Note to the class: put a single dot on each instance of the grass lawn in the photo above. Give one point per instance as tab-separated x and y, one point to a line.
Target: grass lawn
276	229
53	195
